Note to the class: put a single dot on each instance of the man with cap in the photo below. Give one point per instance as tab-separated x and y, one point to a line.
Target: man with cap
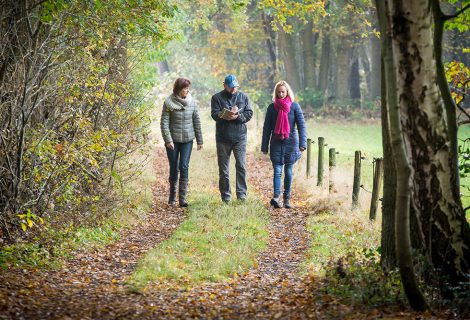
231	111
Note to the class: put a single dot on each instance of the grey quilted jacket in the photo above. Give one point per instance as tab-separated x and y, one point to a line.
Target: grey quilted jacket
180	120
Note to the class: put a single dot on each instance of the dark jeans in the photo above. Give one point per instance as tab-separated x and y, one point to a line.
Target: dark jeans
179	160
224	151
287	179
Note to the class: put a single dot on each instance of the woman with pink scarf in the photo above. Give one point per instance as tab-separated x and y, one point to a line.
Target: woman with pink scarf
284	128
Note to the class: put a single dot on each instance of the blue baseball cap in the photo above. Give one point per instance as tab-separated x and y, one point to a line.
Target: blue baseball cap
231	81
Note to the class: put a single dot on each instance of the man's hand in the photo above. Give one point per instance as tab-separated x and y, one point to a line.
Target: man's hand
232	116
302	149
199	146
170	145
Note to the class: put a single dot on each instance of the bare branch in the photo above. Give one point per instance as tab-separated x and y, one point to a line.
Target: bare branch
446	17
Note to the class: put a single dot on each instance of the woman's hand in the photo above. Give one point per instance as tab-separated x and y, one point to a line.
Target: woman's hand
199	146
170	145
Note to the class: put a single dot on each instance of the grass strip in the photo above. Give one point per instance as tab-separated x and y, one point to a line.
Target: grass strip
215	241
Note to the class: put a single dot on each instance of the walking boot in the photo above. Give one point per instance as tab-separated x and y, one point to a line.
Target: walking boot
287	203
172	197
183	191
275	202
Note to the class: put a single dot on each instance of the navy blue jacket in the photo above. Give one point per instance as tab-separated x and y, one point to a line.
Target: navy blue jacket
285	151
233	130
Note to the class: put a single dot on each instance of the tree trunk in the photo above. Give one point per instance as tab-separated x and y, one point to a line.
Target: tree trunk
354	77
374	89
287	49
387	243
308	53
324	60
449	103
444	229
272	49
403	170
366	65
163	67
342	68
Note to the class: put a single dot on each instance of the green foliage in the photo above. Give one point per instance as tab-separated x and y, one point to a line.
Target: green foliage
462	21
358	278
458	77
464	158
48	249
285	11
85	115
310	98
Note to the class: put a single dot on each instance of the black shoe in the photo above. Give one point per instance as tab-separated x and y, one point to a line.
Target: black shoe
275	203
226	201
287	203
242	199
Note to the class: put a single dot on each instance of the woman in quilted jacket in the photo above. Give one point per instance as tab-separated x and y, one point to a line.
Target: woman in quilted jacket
180	125
284	128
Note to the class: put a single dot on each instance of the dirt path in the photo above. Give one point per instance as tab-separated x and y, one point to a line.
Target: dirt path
91	286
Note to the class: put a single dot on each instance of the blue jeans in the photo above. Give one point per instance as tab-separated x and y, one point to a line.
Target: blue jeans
179	160
287	179
224	151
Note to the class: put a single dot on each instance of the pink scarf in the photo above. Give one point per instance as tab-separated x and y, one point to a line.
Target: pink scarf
282	128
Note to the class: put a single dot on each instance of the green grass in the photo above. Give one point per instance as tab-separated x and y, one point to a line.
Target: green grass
214	242
334	235
48	250
347	137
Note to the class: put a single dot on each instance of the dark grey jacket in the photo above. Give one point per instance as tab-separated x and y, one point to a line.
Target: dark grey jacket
180	123
234	130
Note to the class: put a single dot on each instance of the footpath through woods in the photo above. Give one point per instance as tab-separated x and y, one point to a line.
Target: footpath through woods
92	285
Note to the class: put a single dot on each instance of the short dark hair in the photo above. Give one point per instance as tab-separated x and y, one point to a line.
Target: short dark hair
180	84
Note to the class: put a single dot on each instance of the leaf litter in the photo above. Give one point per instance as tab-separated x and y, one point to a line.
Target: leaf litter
92	285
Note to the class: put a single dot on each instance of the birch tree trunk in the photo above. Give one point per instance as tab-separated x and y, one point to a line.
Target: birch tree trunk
444	229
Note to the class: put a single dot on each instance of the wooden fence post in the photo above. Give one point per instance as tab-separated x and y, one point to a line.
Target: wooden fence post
357	179
376	187
331	165
321	142
309	156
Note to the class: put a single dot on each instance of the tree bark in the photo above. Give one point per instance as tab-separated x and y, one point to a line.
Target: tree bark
444	229
272	49
342	68
308	53
354	77
163	67
374	89
403	169
287	49
324	60
449	103
387	243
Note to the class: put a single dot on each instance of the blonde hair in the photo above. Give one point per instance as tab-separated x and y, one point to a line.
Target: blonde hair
283	83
